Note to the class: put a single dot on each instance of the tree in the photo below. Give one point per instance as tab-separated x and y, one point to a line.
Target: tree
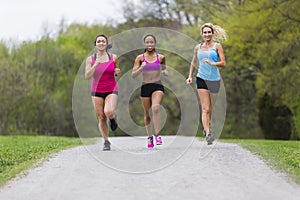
264	44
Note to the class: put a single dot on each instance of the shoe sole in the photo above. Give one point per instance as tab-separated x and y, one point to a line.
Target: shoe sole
210	140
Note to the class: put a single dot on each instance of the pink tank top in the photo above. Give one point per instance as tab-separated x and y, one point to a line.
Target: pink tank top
104	77
151	67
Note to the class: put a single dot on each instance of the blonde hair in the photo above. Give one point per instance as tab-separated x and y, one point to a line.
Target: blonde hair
219	34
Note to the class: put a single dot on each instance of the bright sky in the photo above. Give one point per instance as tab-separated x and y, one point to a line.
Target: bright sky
27	19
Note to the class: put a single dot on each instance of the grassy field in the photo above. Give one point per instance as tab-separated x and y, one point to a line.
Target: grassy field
18	153
283	156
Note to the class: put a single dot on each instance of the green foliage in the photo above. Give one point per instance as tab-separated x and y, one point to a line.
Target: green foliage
18	153
275	121
38	81
264	38
262	56
280	38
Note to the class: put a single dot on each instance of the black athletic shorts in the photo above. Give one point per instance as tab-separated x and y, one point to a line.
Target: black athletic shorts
212	86
103	95
148	88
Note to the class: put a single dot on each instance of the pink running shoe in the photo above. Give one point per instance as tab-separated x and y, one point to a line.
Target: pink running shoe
150	142
158	139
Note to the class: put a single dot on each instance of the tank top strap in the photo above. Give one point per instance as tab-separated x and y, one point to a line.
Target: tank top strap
215	46
93	58
157	59
143	58
199	47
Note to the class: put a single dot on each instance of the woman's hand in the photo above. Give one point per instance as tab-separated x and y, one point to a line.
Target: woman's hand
97	61
143	65
117	71
165	72
189	80
208	61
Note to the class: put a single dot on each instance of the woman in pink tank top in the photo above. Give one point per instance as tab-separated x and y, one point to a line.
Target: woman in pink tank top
103	67
151	64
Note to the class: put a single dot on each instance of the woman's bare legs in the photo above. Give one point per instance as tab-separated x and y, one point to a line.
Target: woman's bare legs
205	101
99	109
146	101
105	109
157	98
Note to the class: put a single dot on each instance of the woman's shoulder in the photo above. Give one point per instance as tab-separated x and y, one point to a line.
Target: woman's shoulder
113	55
197	47
218	44
90	58
161	56
140	56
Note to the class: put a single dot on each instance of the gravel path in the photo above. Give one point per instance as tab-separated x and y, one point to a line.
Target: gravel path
182	168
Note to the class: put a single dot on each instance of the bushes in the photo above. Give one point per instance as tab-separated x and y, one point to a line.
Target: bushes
275	121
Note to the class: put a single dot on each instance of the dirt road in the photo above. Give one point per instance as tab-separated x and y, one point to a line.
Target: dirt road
182	168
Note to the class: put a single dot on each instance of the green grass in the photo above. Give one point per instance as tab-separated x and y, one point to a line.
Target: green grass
18	153
283	156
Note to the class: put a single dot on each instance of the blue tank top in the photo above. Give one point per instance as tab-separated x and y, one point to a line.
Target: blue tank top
206	71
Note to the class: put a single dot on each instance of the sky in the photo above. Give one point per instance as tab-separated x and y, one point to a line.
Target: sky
27	19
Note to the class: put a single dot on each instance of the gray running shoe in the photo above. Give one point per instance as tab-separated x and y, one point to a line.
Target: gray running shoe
106	146
209	139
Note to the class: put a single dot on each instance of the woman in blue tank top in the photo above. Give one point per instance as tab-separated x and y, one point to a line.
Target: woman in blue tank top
210	56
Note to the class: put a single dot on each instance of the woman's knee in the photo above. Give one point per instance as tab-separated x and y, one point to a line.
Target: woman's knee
155	109
102	120
109	113
147	119
206	110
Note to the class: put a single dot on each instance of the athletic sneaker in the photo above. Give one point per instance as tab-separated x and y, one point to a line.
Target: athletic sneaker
158	139
113	124
150	142
106	146
209	139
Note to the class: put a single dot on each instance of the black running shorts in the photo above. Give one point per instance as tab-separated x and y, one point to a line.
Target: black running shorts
212	86
103	95
148	88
